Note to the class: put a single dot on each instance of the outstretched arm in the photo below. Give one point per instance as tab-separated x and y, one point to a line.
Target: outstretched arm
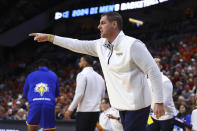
79	46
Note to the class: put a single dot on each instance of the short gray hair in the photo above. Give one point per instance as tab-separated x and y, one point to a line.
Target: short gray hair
114	16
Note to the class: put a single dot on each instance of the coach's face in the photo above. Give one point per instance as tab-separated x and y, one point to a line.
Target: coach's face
106	27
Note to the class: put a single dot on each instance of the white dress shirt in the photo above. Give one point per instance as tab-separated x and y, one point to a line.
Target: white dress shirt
194	120
89	91
110	124
124	63
170	110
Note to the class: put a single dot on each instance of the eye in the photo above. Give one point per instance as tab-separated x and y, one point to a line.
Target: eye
102	22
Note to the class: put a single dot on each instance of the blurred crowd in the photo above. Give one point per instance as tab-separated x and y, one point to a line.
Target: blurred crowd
179	60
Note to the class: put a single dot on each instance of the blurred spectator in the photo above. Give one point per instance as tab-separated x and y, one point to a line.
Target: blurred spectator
180	101
59	112
183	114
109	119
2	113
195	83
192	102
22	104
10	114
21	114
187	92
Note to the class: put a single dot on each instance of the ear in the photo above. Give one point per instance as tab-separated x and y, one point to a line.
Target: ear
161	67
86	63
114	24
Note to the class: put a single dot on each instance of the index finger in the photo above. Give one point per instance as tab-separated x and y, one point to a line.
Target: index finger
32	34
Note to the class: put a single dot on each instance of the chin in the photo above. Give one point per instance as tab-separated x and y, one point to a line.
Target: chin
103	36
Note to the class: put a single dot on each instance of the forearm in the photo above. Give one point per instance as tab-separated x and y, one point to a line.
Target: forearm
117	118
75	102
51	38
79	46
75	45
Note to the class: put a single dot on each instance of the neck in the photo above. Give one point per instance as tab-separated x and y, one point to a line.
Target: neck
113	36
86	66
106	109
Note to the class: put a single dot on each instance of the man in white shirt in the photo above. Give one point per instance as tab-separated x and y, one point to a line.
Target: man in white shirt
88	94
125	61
164	123
195	84
194	120
109	119
194	117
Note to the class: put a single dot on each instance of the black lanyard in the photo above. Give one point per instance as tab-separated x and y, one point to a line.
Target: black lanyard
110	47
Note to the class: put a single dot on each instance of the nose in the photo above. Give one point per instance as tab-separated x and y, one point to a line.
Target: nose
99	26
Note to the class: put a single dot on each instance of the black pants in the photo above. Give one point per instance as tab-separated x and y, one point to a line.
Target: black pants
86	121
165	125
135	120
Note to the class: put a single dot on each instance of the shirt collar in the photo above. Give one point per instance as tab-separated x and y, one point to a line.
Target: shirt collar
87	68
115	42
106	111
44	68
